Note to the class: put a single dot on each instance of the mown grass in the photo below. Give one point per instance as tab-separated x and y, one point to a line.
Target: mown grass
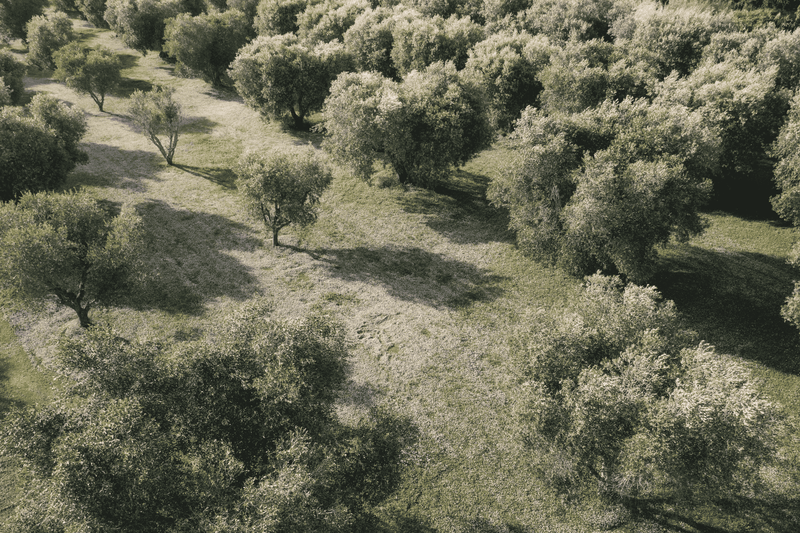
428	286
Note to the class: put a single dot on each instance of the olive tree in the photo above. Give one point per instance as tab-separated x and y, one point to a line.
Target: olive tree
207	43
67	246
46	34
282	187
141	23
92	71
234	432
422	127
328	20
369	40
5	93
603	188
508	66
614	392
158	115
39	146
278	17
280	74
93	11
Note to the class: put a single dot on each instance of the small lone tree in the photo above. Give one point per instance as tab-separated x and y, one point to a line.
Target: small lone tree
66	245
158	114
95	72
282	187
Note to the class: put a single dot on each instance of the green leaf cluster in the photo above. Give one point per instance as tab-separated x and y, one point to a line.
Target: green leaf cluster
614	393
158	115
207	43
282	187
421	127
46	34
603	188
66	245
92	71
38	146
231	433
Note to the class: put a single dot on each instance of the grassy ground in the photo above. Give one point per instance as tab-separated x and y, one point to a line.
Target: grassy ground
428	285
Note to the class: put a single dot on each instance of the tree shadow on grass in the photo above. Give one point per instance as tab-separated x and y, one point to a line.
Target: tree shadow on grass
414	274
223	177
111	166
185	261
6	403
733	300
459	210
777	513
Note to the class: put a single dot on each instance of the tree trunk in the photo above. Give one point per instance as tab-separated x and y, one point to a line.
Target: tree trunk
83	315
275	236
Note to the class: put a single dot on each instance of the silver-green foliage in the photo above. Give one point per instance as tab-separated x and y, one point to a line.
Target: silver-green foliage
39	146
141	23
787	202
67	246
281	74
92	71
207	43
46	34
235	432
158	115
617	393
282	187
433	120
603	188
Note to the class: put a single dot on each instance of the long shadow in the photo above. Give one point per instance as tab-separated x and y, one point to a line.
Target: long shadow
459	210
111	166
185	261
223	177
414	274
777	514
733	300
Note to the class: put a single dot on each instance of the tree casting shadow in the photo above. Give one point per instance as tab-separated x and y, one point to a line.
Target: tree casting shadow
223	177
185	263
111	166
414	274
733	300
459	210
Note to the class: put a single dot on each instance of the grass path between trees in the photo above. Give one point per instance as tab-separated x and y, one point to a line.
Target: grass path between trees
428	285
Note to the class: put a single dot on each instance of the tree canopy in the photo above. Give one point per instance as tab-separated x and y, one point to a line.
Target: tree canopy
616	393
92	71
283	186
141	23
421	127
46	34
158	115
280	74
235	432
66	245
12	71
15	14
207	43
603	188
39	146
